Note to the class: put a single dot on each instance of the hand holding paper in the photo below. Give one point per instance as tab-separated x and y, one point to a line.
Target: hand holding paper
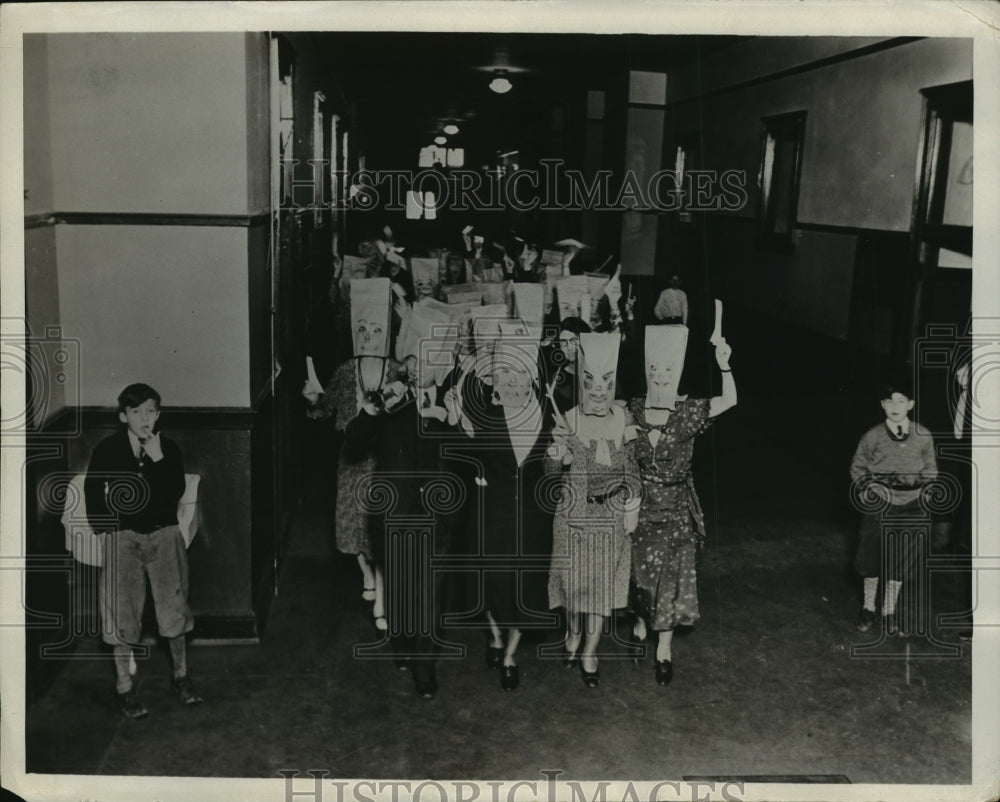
550	389
723	352
716	337
312	389
310	393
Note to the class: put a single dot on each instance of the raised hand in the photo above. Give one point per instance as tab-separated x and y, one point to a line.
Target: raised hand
152	447
723	352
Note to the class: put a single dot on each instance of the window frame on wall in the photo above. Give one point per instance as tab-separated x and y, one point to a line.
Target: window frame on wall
778	199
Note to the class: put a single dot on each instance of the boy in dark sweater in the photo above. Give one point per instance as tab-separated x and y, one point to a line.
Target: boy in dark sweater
134	481
897	458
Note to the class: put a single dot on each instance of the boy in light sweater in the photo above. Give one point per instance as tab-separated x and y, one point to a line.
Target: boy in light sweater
897	458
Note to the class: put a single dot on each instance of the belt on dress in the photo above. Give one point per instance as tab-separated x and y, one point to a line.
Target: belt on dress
601	498
674	483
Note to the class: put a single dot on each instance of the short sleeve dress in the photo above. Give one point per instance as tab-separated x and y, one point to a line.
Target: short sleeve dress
671	523
591	553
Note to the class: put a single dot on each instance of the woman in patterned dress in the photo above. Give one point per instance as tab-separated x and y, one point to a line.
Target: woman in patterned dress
591	543
355	386
671	524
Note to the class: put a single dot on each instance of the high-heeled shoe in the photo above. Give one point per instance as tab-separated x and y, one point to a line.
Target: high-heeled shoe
664	672
424	680
368	595
494	657
380	622
426	688
590	678
510	677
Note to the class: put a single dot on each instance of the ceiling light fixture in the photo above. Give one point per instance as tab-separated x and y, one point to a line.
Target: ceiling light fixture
440	140
451	129
500	84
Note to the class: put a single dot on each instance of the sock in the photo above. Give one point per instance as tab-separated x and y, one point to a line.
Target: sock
891	593
871	588
178	654
123	656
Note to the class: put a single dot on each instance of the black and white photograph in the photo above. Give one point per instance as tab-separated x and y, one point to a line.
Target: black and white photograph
492	401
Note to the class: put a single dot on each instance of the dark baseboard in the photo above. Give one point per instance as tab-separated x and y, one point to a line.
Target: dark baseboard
159	219
72	419
225	630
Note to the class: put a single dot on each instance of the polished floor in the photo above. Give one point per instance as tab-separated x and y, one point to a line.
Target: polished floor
774	679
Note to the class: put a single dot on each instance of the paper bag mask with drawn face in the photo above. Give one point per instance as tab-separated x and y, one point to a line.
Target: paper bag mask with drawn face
425	275
515	365
455	272
571	292
552	275
354	267
494	292
596	370
597	283
370	305
485	327
665	349
426	343
528	304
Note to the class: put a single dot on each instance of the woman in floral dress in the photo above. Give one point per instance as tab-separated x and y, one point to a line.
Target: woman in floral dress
671	524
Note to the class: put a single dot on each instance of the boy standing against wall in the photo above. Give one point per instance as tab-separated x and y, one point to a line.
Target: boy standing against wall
134	481
897	458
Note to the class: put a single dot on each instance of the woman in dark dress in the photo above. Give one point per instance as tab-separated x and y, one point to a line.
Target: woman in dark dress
406	481
499	403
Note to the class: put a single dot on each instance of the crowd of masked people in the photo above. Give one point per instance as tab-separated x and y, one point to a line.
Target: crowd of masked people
514	451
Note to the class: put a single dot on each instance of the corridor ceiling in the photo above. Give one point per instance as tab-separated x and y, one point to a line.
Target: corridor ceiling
408	86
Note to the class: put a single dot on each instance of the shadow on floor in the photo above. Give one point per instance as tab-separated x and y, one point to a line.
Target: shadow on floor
770	682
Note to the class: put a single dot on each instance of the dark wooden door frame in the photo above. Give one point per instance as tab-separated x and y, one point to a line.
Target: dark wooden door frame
942	106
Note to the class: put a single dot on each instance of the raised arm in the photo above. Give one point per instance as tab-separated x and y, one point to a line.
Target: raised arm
727	399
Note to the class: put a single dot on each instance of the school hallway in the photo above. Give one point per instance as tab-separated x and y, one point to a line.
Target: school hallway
765	684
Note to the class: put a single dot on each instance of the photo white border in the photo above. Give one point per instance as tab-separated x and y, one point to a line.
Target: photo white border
934	18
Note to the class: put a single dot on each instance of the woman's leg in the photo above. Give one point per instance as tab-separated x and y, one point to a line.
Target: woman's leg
639	628
510	653
574	631
666	637
496	637
368	578
664	665
378	610
588	657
